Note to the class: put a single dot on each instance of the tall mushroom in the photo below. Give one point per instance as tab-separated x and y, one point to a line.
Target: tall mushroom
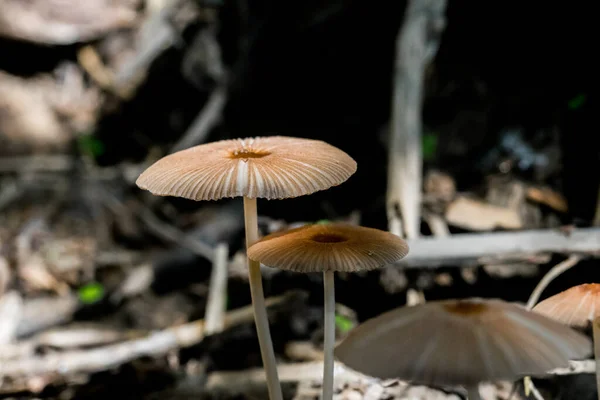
328	248
275	167
460	342
579	307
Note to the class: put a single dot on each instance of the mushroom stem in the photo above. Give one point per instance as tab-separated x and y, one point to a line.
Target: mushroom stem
596	333
473	393
329	328
258	303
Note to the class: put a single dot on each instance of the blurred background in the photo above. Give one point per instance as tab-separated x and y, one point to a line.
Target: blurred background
93	92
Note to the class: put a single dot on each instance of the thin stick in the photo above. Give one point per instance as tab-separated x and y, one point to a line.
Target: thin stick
473	393
596	333
102	358
329	342
554	272
258	303
217	293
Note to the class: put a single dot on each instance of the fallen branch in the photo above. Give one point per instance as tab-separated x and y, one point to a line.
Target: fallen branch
111	356
351	383
482	248
240	381
576	367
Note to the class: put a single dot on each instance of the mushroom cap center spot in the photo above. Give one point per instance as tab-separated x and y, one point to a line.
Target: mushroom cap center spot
247	153
328	238
465	308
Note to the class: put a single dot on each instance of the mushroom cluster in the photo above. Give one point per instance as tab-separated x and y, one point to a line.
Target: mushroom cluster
451	342
275	167
327	248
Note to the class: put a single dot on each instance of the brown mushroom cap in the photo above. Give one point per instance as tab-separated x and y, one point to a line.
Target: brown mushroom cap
274	167
577	306
329	247
460	342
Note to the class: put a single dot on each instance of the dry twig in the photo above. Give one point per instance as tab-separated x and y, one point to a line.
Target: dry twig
217	293
106	357
557	270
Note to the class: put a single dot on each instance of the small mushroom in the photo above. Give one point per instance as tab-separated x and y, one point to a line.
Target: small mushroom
460	342
275	167
328	248
579	307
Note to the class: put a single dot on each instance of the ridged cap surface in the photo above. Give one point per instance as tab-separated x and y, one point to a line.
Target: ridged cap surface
329	247
460	342
275	167
577	306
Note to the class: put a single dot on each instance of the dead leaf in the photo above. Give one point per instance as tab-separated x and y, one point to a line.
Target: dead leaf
549	197
27	120
480	216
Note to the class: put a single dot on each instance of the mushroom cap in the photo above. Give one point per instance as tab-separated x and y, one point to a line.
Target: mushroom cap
329	247
460	342
577	306
274	167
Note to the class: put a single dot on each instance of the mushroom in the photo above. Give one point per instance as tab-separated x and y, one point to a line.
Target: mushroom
579	307
275	167
328	248
460	342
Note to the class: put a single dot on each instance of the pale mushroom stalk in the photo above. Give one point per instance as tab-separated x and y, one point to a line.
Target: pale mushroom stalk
473	393
258	303
275	167
329	328
596	333
327	248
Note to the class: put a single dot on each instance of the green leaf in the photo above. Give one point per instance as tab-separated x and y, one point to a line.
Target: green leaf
577	101
343	323
91	145
322	222
430	142
91	293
